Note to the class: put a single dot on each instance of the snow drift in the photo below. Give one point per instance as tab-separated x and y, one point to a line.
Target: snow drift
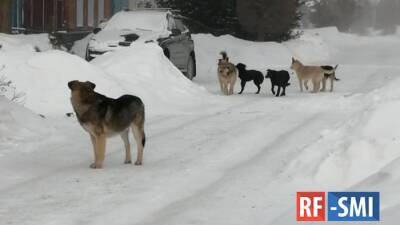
141	70
19	126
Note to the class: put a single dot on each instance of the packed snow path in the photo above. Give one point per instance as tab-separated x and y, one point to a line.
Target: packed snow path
240	162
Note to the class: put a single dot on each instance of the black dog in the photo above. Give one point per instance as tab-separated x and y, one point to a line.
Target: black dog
249	75
280	79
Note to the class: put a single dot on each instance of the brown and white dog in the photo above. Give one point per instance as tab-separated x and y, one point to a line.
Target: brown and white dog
332	77
103	117
314	73
227	75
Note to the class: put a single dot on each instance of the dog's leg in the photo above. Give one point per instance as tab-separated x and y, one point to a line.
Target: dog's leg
93	140
100	151
332	80
139	135
279	91
258	87
316	86
224	88
284	91
324	83
243	84
306	84
273	89
231	86
221	83
125	139
301	85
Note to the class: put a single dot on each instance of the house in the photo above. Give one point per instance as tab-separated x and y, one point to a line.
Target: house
77	16
119	5
63	15
67	20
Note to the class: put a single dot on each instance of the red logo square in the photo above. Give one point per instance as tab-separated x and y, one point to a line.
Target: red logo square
310	206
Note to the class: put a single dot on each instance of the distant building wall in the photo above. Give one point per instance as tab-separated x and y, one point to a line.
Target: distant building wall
5	16
119	5
35	16
65	15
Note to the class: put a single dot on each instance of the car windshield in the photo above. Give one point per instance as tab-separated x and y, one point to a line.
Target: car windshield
138	20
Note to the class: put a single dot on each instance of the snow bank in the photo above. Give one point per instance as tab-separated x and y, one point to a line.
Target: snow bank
19	126
79	47
23	42
144	70
310	48
43	77
361	145
141	70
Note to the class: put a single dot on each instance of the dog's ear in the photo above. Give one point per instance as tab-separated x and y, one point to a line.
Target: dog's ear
90	85
293	60
72	84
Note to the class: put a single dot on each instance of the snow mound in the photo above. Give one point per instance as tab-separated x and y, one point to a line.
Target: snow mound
19	126
254	55
43	77
21	41
140	70
144	70
360	146
79	47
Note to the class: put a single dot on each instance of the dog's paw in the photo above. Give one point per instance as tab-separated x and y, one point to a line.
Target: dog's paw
95	166
138	163
128	162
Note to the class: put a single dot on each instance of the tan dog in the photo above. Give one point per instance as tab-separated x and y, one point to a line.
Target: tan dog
227	75
103	117
314	73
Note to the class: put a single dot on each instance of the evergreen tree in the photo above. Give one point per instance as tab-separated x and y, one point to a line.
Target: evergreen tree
269	20
218	17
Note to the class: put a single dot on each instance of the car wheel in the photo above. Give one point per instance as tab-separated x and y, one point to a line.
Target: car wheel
191	68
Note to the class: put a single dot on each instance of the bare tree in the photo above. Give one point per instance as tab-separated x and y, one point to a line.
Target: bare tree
339	13
387	15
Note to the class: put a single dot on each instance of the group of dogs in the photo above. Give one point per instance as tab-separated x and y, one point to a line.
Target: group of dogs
103	117
228	73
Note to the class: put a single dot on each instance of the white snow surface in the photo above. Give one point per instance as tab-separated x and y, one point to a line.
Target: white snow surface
209	159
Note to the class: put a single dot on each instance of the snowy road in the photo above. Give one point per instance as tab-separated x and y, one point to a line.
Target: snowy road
238	163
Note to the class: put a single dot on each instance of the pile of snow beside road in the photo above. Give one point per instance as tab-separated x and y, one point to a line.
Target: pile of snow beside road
19	127
144	70
141	70
23	42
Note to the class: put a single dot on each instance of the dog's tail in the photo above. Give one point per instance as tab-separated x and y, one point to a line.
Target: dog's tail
224	56
288	84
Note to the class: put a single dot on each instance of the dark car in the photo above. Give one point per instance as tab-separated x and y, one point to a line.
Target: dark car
147	25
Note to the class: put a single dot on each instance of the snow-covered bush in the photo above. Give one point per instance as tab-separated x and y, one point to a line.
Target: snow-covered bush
8	90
